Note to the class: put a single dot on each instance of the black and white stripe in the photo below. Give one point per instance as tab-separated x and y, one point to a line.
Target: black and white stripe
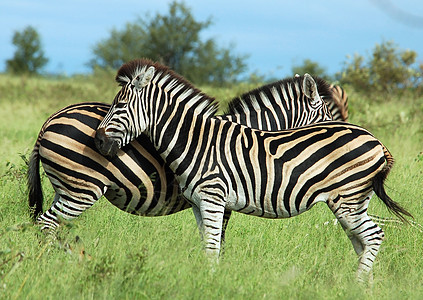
137	180
221	165
338	103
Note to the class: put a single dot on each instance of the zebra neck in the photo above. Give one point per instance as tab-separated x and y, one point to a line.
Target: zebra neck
185	142
176	112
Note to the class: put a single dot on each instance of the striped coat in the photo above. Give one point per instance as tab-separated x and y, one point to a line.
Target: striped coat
221	165
138	181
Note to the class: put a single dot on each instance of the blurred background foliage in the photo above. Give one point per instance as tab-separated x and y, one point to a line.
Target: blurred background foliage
174	39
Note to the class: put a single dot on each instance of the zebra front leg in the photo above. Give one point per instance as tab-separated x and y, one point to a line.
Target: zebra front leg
226	216
199	219
212	217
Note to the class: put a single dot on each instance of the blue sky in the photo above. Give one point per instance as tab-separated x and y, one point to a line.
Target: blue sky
276	34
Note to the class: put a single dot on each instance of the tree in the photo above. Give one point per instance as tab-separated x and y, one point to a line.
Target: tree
387	69
312	68
29	55
174	40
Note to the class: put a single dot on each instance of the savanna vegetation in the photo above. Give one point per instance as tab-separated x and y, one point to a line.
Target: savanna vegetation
108	254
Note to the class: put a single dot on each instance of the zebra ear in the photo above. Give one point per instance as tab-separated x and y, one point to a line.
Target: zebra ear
148	75
146	78
310	89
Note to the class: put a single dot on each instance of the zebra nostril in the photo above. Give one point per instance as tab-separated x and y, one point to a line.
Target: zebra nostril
99	143
100	138
105	145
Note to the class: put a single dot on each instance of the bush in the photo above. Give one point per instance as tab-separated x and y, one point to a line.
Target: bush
387	70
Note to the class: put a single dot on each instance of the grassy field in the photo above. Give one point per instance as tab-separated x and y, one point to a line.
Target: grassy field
108	254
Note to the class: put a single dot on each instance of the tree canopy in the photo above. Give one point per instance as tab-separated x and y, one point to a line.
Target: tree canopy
386	69
29	55
311	67
174	40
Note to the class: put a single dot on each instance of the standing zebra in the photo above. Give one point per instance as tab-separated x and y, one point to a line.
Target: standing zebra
138	181
221	165
337	103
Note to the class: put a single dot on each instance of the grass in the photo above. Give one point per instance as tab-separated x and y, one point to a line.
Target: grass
108	254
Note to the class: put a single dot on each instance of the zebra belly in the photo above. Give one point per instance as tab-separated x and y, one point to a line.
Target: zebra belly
266	211
137	202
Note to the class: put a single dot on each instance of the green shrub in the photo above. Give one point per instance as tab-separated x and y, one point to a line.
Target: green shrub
388	70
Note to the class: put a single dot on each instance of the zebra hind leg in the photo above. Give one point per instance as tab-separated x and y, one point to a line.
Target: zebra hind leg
48	220
63	210
366	237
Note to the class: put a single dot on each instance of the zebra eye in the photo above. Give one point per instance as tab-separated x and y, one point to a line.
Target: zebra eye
121	105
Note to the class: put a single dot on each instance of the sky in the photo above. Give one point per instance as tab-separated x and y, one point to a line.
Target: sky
275	34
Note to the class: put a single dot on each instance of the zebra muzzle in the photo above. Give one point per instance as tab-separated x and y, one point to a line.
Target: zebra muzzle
106	146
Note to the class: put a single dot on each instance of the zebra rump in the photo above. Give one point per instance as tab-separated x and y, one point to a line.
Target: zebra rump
80	175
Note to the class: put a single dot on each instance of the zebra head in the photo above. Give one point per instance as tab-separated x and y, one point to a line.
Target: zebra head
127	118
320	111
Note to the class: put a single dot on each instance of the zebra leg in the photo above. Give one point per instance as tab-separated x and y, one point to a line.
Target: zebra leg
212	220
358	246
366	237
65	209
48	220
199	220
226	216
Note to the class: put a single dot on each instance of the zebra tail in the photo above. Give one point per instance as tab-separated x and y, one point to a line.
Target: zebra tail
35	192
379	189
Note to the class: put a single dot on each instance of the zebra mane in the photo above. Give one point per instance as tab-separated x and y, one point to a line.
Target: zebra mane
252	100
130	70
165	76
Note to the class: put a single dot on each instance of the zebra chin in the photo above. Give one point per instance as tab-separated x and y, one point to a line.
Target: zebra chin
106	146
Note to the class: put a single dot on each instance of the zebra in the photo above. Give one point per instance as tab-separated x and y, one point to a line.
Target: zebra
221	165
338	103
138	181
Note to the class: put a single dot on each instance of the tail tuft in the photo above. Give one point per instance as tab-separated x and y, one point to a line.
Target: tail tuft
35	193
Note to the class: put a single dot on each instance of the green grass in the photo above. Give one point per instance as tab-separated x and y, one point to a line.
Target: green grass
108	254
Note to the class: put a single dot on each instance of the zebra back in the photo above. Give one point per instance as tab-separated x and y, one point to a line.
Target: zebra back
281	105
